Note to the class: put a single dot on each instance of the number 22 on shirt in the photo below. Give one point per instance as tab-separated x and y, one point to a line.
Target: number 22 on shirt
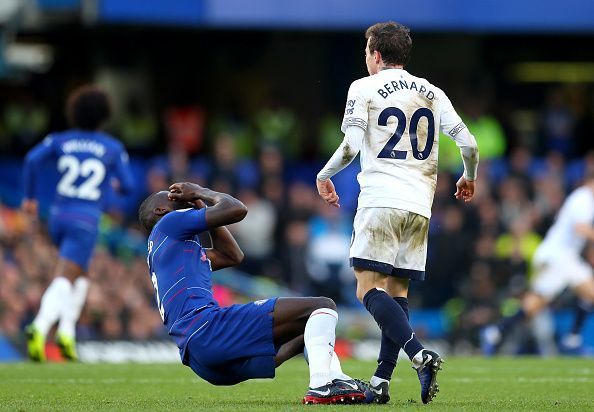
91	169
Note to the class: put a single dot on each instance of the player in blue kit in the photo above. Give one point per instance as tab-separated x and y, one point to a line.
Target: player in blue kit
84	161
228	345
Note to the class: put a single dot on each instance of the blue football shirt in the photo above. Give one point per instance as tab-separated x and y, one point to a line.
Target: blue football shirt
180	272
83	163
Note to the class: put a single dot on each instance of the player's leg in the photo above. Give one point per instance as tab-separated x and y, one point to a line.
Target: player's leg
583	287
550	279
388	356
76	252
548	282
492	335
313	322
573	340
71	308
57	293
375	245
582	310
393	321
399	237
297	346
585	290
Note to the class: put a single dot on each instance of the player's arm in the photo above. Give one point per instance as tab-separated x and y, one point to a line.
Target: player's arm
453	126
224	250
354	124
223	209
342	157
33	161
465	186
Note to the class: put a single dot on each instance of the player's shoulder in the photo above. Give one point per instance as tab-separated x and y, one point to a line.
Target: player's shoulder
361	85
435	89
580	196
56	137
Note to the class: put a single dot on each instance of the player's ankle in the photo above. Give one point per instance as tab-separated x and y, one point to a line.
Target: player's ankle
375	381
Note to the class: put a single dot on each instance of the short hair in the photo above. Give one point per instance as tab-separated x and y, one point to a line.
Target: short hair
392	40
88	108
146	214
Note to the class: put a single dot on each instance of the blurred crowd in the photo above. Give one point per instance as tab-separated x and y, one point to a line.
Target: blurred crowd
479	253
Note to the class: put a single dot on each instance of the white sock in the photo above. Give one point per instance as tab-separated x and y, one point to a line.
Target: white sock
319	337
58	292
417	360
374	381
336	370
69	317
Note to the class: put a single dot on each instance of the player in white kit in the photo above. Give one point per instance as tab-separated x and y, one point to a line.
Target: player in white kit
393	119
558	264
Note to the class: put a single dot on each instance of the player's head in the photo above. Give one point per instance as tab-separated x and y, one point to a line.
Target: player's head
154	207
387	44
88	108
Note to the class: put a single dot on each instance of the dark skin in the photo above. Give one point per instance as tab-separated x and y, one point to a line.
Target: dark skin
290	314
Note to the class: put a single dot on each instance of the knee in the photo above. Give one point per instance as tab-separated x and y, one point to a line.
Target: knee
324	302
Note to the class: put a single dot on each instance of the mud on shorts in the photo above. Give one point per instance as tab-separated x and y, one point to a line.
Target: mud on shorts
390	241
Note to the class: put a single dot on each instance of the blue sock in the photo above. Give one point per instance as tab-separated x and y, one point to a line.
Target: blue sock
392	320
581	313
388	355
508	323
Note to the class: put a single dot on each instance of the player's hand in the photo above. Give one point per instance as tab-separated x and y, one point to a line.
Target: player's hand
327	192
198	204
185	192
464	189
30	207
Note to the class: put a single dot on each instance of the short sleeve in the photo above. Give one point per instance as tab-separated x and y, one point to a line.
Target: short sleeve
184	223
356	112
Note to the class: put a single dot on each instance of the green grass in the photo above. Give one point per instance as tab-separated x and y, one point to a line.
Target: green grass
466	384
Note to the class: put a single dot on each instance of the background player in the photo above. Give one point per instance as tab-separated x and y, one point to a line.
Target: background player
393	118
228	345
557	264
85	160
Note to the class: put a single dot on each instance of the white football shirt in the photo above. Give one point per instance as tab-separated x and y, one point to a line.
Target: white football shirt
561	238
401	115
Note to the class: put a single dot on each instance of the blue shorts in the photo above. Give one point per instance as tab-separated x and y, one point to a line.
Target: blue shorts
235	345
75	235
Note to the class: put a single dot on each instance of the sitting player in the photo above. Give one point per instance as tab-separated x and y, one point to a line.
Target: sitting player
229	345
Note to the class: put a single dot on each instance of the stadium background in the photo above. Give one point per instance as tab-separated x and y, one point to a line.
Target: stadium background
247	97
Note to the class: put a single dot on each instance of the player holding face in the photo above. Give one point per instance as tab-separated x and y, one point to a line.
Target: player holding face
557	262
393	119
228	345
85	161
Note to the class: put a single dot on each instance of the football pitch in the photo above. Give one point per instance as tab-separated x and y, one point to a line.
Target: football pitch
466	384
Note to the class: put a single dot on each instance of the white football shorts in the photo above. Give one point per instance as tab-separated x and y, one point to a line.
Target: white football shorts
551	277
390	241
